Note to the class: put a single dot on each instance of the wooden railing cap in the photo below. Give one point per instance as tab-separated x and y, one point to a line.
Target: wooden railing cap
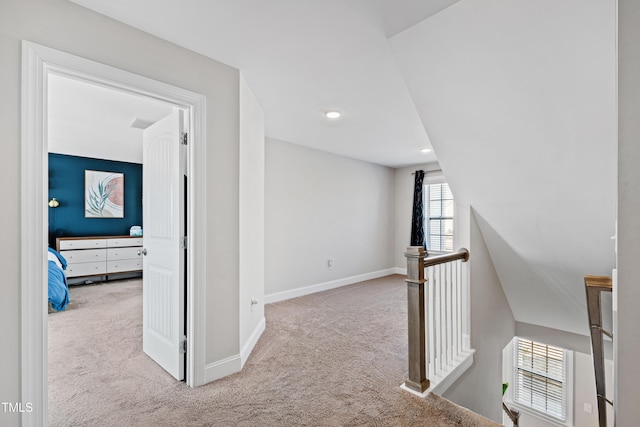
462	254
603	282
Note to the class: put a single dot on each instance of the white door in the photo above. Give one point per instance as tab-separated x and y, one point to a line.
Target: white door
163	228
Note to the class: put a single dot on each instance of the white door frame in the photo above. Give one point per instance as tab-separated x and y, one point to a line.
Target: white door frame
37	62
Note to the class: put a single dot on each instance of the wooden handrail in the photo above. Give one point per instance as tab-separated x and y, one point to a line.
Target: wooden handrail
461	254
513	415
417	261
604	283
594	286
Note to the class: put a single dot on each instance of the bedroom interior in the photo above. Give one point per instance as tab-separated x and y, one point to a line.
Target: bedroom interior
94	131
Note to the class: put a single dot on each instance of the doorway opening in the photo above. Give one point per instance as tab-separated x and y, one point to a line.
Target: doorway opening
38	63
98	140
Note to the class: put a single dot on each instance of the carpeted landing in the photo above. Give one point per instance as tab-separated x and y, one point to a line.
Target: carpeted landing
335	358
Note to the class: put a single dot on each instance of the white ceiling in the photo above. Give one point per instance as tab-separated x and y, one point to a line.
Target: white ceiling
93	121
302	58
517	96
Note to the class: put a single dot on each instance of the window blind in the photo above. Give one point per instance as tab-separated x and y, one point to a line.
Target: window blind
439	217
540	378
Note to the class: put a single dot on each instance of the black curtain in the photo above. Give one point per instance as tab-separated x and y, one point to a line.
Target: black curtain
417	219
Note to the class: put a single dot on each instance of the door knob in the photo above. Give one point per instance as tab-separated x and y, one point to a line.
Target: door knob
143	251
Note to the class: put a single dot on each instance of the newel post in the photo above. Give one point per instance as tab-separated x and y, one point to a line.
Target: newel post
417	380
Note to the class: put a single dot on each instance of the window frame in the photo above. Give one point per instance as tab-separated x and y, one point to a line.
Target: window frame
428	181
568	386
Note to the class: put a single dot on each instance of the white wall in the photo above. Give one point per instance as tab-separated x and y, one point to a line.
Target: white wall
251	220
320	206
404	183
518	99
585	390
65	26
627	315
492	326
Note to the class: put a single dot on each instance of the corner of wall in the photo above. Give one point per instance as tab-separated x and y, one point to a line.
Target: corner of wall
247	348
403	202
492	327
251	221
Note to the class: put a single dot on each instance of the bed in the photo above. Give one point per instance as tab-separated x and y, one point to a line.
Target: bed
58	287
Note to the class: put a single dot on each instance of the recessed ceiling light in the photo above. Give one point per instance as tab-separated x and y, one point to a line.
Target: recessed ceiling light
333	114
425	150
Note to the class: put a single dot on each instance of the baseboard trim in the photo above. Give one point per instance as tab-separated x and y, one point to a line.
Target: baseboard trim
231	365
251	343
312	289
222	368
399	270
440	384
462	364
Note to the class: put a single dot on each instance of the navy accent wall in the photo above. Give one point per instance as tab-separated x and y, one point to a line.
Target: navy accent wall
66	183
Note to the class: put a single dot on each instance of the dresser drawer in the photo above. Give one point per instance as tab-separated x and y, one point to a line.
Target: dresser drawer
124	265
82	244
114	254
86	269
84	255
123	242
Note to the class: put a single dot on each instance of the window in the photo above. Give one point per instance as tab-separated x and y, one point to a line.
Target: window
439	217
540	378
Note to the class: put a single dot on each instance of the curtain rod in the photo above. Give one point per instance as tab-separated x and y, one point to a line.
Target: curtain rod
435	170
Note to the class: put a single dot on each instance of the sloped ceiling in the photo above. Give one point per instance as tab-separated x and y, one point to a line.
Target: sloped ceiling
302	58
518	98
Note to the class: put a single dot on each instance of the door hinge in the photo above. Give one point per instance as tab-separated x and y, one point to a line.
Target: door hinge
183	138
183	345
184	242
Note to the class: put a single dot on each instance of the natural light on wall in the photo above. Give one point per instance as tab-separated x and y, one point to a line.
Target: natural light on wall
541	380
439	206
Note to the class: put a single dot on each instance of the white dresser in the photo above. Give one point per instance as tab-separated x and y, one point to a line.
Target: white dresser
100	255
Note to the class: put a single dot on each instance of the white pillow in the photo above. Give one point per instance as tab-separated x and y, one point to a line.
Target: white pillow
54	258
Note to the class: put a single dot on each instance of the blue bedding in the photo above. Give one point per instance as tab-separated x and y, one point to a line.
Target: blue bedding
58	287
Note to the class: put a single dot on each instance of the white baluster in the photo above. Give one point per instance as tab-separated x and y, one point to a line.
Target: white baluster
461	305
431	354
443	312
454	305
444	300
438	318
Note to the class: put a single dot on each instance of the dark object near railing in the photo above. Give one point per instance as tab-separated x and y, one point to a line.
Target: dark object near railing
513	414
594	286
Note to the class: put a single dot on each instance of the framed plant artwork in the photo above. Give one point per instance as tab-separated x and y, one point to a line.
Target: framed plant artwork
103	194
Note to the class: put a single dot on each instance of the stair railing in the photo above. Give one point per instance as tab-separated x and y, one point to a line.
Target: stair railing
513	414
435	318
594	286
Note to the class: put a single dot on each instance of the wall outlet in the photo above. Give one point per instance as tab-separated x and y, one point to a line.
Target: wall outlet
330	262
587	408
